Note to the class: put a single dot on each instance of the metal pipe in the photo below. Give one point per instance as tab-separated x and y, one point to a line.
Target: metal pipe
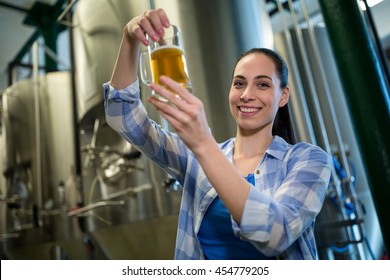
66	11
130	190
19	56
76	134
323	136
38	187
367	95
94	206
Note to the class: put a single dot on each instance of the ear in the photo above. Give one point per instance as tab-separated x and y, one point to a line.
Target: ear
285	96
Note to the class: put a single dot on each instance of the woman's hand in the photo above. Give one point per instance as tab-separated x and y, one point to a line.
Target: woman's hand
126	66
152	22
184	112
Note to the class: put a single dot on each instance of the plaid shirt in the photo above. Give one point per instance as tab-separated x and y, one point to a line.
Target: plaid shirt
279	215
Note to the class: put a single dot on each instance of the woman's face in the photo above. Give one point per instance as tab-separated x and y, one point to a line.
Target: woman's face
255	94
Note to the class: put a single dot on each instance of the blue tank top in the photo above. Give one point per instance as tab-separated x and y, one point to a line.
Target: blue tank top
217	237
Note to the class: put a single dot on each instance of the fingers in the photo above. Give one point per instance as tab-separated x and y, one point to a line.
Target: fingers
185	105
173	115
167	111
152	23
179	90
158	19
173	97
164	18
168	94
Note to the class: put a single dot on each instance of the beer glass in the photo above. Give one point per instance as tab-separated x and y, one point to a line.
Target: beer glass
165	57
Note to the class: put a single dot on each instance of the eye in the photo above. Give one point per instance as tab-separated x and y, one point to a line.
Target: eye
238	84
263	85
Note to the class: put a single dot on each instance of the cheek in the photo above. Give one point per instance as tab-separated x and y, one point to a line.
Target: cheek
231	98
232	103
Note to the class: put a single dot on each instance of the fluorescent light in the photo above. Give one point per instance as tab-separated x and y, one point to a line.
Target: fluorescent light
370	3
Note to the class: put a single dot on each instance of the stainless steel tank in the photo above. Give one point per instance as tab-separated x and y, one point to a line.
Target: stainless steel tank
97	34
38	166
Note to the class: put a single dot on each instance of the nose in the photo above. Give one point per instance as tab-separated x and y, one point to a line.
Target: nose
246	96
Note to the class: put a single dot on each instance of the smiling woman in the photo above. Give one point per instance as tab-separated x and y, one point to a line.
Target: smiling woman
256	195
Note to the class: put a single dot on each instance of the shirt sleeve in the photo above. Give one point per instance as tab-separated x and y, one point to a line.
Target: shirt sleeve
273	223
126	114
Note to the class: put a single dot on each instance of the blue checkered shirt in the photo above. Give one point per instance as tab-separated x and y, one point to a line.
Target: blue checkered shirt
279	214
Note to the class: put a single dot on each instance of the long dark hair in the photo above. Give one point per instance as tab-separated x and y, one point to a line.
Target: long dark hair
282	124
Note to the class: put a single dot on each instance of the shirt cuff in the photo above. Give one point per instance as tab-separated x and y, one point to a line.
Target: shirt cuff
129	93
255	224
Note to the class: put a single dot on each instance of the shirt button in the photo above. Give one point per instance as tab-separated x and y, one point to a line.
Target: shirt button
257	172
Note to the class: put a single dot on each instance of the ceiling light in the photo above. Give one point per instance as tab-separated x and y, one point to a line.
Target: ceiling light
370	3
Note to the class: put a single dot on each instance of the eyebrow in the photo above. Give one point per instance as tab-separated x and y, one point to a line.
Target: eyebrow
256	78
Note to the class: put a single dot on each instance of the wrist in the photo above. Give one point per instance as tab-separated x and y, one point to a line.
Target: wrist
206	149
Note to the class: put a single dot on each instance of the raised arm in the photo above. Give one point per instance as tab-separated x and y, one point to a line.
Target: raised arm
151	22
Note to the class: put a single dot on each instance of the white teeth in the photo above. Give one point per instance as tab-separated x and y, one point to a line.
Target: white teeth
248	110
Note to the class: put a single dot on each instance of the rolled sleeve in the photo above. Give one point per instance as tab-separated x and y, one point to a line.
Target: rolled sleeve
130	93
256	218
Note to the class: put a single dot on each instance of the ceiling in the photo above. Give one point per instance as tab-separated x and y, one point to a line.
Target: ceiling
15	33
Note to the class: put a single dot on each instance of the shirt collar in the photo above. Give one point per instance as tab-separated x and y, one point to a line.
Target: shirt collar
278	148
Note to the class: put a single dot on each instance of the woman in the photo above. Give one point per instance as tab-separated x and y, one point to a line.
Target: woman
254	196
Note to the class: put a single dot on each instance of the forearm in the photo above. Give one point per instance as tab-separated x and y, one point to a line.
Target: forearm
126	65
231	187
126	115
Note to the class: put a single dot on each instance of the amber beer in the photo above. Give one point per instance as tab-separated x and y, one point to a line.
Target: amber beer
164	57
169	61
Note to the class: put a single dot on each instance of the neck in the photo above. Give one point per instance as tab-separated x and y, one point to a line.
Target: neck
252	146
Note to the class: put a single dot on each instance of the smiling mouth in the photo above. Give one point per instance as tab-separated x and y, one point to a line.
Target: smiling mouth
248	110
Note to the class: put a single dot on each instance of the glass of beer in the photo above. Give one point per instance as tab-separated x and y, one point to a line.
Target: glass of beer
165	57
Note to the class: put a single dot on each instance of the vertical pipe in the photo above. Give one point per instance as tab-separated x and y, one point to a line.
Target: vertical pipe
76	133
365	91
323	137
38	187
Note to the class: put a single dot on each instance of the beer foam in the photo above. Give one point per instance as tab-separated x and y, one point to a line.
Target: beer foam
167	47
